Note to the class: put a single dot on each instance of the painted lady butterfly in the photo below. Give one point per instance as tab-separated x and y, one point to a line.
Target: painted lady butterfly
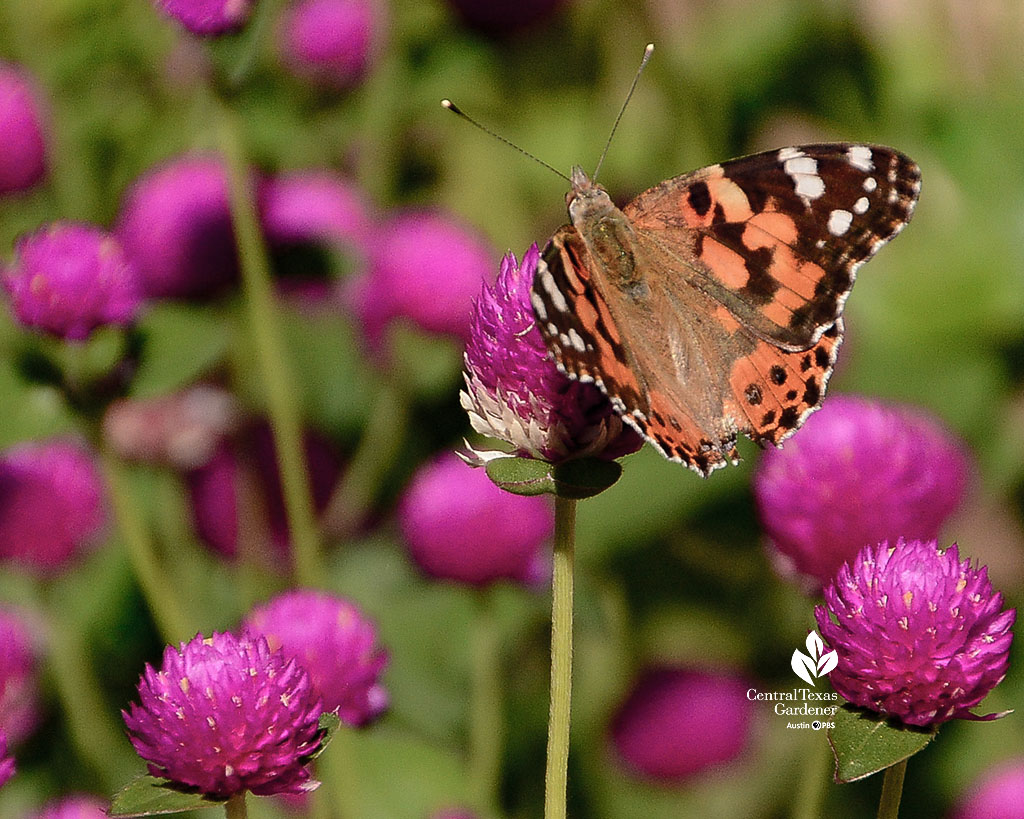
712	303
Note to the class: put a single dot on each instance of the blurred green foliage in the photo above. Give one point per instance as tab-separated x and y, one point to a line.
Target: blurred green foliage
671	567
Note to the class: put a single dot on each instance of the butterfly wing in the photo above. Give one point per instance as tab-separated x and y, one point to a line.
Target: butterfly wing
746	267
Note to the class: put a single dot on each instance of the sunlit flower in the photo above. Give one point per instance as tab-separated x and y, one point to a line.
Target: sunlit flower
68	278
921	635
226	714
858	472
335	643
515	393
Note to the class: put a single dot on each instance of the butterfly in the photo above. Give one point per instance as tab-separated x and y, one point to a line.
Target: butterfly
711	305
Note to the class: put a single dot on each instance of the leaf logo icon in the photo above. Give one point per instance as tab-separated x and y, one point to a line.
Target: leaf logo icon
816	663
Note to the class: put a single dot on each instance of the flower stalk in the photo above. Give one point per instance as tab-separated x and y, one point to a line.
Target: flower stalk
892	791
556	776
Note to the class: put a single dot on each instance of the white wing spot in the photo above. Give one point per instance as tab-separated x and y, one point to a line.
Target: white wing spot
860	206
870	184
576	341
538	306
819	244
547	281
803	170
789	153
839	222
552	330
860	157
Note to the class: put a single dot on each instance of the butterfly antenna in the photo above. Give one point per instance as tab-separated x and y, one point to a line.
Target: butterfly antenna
622	110
451	106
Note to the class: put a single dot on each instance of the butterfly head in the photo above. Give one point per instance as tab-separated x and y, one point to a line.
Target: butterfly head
585	197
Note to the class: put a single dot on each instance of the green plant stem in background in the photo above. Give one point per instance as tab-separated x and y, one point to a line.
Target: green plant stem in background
337	768
892	791
265	326
556	775
377	451
486	729
166	608
234	808
812	778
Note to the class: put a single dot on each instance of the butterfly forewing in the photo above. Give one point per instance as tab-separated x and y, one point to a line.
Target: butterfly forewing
731	320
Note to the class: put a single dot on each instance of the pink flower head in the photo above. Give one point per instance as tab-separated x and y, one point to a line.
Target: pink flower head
68	278
998	794
335	643
23	158
921	635
677	723
858	472
175	225
208	18
514	391
77	806
426	268
246	467
226	714
320	211
7	766
459	526
19	688
329	42
51	504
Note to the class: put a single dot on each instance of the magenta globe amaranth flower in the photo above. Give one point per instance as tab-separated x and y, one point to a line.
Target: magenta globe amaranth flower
225	714
858	472
51	504
921	635
459	526
76	806
68	278
19	687
426	268
514	391
242	478
998	794
677	723
175	225
335	643
208	18
23	158
329	42
7	766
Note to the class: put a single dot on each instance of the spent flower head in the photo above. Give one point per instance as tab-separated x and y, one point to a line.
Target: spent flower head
23	158
858	472
208	18
68	278
459	526
921	635
515	392
335	643
225	715
677	723
51	504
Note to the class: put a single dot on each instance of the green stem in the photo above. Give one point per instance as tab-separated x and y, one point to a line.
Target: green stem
234	808
96	737
485	737
556	776
813	780
337	767
892	791
382	438
268	340
167	611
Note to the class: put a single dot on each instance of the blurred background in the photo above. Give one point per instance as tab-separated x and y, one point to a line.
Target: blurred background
383	214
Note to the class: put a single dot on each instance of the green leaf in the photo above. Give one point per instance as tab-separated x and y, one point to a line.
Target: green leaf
149	796
329	724
578	479
180	344
865	743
